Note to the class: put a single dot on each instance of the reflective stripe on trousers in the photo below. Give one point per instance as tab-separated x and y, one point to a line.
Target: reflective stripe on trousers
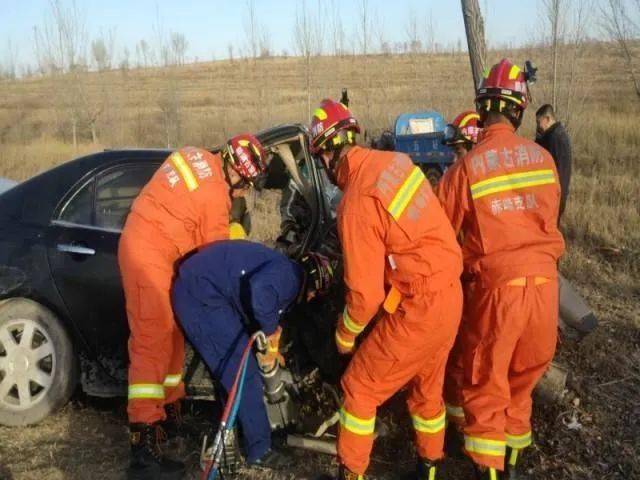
357	425
431	426
484	446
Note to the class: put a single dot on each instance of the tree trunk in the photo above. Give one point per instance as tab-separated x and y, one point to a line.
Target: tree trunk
94	133
74	132
474	26
554	32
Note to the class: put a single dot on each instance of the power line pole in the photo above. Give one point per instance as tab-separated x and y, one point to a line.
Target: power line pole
474	26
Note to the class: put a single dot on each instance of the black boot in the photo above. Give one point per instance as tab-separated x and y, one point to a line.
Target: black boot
345	474
172	425
485	473
426	469
275	459
147	462
513	465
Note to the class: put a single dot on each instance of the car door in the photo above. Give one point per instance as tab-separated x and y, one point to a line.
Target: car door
82	249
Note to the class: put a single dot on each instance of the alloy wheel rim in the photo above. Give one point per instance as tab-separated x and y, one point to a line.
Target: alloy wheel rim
27	364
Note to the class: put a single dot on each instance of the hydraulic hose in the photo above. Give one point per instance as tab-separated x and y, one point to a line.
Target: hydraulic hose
230	412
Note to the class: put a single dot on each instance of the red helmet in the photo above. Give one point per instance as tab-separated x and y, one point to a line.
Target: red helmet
332	125
247	157
463	129
504	89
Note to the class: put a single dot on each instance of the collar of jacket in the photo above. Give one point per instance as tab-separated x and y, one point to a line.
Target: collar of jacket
497	129
349	166
549	131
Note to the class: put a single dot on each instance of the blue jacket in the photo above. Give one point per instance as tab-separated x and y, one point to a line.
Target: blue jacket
257	281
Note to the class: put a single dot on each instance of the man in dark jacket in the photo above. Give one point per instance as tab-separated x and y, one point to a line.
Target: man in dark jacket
226	292
552	136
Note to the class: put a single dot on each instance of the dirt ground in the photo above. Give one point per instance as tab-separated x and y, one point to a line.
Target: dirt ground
594	433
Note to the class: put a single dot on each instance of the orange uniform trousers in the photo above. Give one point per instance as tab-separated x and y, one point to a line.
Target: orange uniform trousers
507	341
156	344
410	347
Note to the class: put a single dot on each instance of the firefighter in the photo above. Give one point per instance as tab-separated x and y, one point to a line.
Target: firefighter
401	258
504	198
462	134
223	294
185	205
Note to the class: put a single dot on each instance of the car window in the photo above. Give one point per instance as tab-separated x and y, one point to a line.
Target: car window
115	192
79	208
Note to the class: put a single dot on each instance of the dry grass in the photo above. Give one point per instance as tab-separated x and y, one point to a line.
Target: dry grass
602	221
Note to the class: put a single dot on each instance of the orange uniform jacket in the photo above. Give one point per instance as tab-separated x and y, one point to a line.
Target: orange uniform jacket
185	205
393	231
504	197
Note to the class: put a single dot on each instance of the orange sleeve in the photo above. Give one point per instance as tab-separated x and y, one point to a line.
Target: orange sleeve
362	237
453	192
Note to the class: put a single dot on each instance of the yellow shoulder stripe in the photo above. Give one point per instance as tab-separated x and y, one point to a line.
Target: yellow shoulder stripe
405	193
185	171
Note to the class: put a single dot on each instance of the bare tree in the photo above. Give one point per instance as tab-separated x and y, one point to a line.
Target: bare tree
429	33
251	29
412	30
621	21
144	54
169	102
125	60
230	51
102	50
179	46
303	44
337	29
581	11
9	67
364	26
265	43
554	13
474	27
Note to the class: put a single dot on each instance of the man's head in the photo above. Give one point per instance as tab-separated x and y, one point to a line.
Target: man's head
545	118
504	92
333	131
245	164
462	134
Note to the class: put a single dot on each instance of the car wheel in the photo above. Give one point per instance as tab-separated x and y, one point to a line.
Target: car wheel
38	367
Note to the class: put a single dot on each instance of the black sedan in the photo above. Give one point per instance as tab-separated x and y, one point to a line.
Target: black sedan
62	315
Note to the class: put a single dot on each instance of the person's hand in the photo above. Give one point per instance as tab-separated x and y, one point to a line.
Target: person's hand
267	360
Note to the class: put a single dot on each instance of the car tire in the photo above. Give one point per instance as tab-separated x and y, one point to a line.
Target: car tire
38	372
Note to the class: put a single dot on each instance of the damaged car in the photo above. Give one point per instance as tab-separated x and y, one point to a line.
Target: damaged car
62	311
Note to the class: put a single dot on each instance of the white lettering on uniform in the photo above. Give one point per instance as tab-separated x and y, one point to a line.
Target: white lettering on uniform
493	162
518	202
496	206
522	156
531	201
477	165
507	158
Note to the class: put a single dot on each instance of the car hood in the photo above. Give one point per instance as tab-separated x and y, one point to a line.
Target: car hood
6	184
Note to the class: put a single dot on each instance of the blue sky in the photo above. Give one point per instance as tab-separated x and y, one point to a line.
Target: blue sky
210	25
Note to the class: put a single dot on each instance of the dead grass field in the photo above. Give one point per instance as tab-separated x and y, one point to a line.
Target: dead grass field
601	224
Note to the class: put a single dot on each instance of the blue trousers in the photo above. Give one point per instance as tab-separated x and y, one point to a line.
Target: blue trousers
216	331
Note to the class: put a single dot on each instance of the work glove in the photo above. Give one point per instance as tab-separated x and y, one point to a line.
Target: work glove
267	360
345	340
236	231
